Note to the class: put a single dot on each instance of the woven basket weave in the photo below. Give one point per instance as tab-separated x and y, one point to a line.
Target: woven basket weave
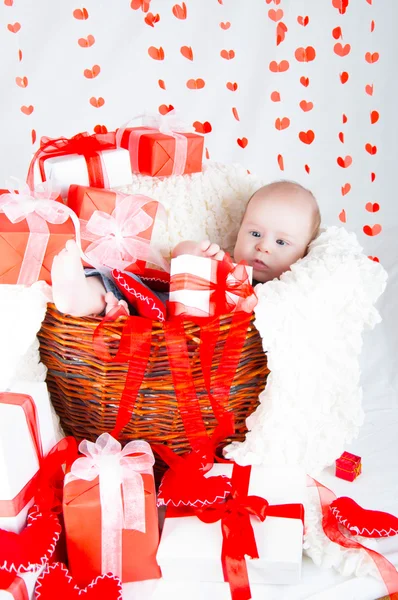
86	391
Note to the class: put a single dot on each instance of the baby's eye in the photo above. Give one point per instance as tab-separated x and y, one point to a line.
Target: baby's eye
255	233
281	242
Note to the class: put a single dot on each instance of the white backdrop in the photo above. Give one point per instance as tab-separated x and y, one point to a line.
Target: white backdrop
234	68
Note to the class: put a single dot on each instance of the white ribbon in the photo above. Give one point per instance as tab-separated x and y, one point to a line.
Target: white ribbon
117	470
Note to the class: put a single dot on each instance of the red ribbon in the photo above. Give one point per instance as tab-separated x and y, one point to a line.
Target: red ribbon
330	525
134	349
228	279
237	530
84	144
13	584
11	508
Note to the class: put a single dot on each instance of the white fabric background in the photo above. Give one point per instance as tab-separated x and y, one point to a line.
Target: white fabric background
54	64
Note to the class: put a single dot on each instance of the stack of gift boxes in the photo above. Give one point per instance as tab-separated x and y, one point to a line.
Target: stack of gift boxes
104	526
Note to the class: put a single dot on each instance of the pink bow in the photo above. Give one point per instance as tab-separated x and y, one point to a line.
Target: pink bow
116	243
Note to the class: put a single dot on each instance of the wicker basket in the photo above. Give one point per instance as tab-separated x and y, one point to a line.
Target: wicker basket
86	392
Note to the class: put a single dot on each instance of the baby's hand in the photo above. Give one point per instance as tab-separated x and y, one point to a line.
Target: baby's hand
209	250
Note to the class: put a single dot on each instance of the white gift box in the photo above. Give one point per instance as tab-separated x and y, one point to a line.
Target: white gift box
18	458
190	550
197	301
72	168
15	592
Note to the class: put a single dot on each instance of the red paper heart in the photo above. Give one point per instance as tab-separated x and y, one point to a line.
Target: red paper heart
336	33
227	54
306	106
281	164
307	137
225	25
56	582
344	162
372	57
275	96
81	14
342	216
242	142
307	169
371	231
33	546
372	207
186	51
303	21
164	109
97	102
345	188
341	5
304	81
275	15
86	42
360	521
195	84
372	150
156	53
232	86
92	73
275	67
235	113
151	19
27	110
374	117
283	123
180	11
344	77
202	127
305	54
341	50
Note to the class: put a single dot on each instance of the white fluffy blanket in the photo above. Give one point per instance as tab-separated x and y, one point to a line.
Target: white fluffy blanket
311	323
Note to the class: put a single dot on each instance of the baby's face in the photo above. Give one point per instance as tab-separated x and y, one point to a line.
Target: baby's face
275	232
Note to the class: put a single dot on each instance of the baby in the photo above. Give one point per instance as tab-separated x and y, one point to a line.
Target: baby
280	221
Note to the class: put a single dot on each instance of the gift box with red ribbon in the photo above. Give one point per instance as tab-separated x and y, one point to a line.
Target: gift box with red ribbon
204	287
110	513
26	435
250	536
34	227
348	466
116	228
90	160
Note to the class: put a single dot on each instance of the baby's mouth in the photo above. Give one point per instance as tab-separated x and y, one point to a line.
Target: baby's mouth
259	265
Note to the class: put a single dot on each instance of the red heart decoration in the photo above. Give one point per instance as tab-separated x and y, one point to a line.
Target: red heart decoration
156	53
305	54
275	96
341	50
86	42
14	27
232	86
92	73
97	102
372	57
80	14
371	231
374	258
275	15
345	118
336	33
283	123
56	582
227	54
33	546
369	89
344	162
341	5
100	129
307	169
27	110
280	162
345	188
164	109
186	51
306	106
202	127
344	77
372	207
303	21
372	177
374	117
304	81
180	12
360	521
342	216
235	113
372	150
195	84
275	67
307	137
242	142
341	137
151	19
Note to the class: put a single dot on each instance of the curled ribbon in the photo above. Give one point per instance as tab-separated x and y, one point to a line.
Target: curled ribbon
90	146
169	124
230	290
115	241
116	467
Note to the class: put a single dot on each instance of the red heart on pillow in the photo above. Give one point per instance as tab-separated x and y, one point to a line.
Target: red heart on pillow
138	295
56	582
33	546
360	521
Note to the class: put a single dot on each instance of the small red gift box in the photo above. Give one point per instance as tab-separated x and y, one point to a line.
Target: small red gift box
28	246
133	216
159	155
348	466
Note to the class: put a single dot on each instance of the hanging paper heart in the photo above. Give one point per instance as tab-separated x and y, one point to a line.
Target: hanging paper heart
56	582
33	546
360	521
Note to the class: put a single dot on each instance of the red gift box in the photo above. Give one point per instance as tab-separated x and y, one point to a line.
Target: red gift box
87	202
94	545
159	155
348	466
14	238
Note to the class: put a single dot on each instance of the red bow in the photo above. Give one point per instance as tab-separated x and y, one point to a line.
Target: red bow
87	145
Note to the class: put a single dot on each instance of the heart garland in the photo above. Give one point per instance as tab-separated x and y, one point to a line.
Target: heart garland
34	546
360	521
56	582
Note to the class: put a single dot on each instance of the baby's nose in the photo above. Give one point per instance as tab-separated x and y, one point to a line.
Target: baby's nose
263	246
